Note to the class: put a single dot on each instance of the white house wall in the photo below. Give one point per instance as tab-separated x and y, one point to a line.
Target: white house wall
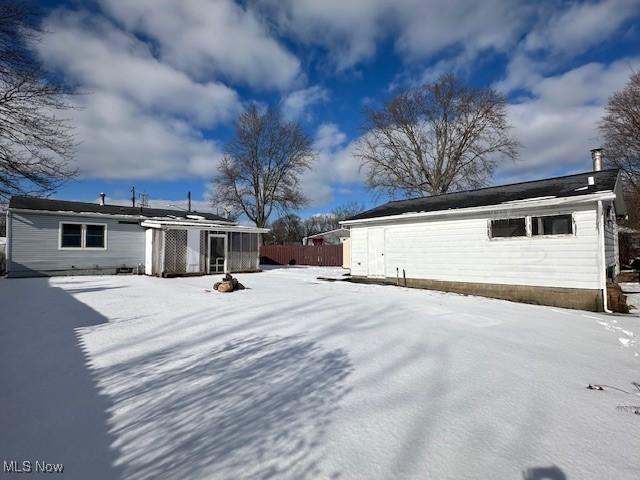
458	249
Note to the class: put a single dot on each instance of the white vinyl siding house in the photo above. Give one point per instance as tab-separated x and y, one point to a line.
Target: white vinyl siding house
462	250
55	237
551	242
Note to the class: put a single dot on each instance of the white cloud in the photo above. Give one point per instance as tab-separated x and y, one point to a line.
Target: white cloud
296	103
335	165
121	141
101	57
349	29
138	117
204	38
579	26
522	72
155	73
427	28
562	33
420	29
558	124
557	116
589	84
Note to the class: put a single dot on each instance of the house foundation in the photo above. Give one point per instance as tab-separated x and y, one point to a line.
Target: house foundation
575	298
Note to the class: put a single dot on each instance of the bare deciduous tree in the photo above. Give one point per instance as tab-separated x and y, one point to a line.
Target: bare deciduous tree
291	228
346	210
439	137
621	130
287	229
318	223
36	145
632	201
260	171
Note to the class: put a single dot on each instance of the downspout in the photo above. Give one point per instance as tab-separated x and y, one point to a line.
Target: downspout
602	257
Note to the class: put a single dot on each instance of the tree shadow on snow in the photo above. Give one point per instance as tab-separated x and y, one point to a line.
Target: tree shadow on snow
51	409
254	407
544	473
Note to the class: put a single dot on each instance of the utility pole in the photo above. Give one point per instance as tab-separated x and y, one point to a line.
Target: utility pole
133	196
189	200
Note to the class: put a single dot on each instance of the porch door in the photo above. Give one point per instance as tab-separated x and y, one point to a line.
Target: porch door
375	250
217	253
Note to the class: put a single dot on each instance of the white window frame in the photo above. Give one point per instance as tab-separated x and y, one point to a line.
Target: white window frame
83	235
554	235
518	237
529	228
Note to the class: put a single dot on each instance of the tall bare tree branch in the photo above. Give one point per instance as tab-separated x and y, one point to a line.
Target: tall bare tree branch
36	144
260	171
620	127
346	210
439	137
621	130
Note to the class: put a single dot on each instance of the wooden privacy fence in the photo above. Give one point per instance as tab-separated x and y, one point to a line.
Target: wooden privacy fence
320	255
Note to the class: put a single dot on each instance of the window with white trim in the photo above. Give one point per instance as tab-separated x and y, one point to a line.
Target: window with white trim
89	236
509	227
71	235
552	225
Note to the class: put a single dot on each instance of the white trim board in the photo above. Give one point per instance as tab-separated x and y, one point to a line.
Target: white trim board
519	205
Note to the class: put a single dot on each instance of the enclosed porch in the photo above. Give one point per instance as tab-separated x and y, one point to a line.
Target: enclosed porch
179	248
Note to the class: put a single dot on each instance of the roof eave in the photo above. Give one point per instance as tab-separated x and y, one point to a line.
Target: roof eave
65	212
99	214
202	226
321	234
518	205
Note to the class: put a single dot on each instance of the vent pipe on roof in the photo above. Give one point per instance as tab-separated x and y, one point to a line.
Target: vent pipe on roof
596	156
102	195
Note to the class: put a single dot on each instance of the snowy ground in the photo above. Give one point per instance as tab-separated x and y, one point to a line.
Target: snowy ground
144	378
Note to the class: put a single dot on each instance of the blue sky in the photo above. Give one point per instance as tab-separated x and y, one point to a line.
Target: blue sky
163	80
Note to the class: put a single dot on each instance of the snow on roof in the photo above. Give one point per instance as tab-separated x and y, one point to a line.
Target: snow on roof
46	204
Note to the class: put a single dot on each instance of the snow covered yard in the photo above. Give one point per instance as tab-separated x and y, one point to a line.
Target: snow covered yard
143	378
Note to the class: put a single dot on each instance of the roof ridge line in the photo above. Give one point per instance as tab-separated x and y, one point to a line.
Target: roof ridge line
502	186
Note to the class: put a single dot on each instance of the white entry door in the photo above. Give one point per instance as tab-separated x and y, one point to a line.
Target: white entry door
375	246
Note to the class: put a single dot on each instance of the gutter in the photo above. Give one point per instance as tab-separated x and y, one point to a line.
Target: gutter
203	226
517	205
97	214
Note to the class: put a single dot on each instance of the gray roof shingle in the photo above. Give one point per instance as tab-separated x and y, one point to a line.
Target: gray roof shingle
45	204
567	186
